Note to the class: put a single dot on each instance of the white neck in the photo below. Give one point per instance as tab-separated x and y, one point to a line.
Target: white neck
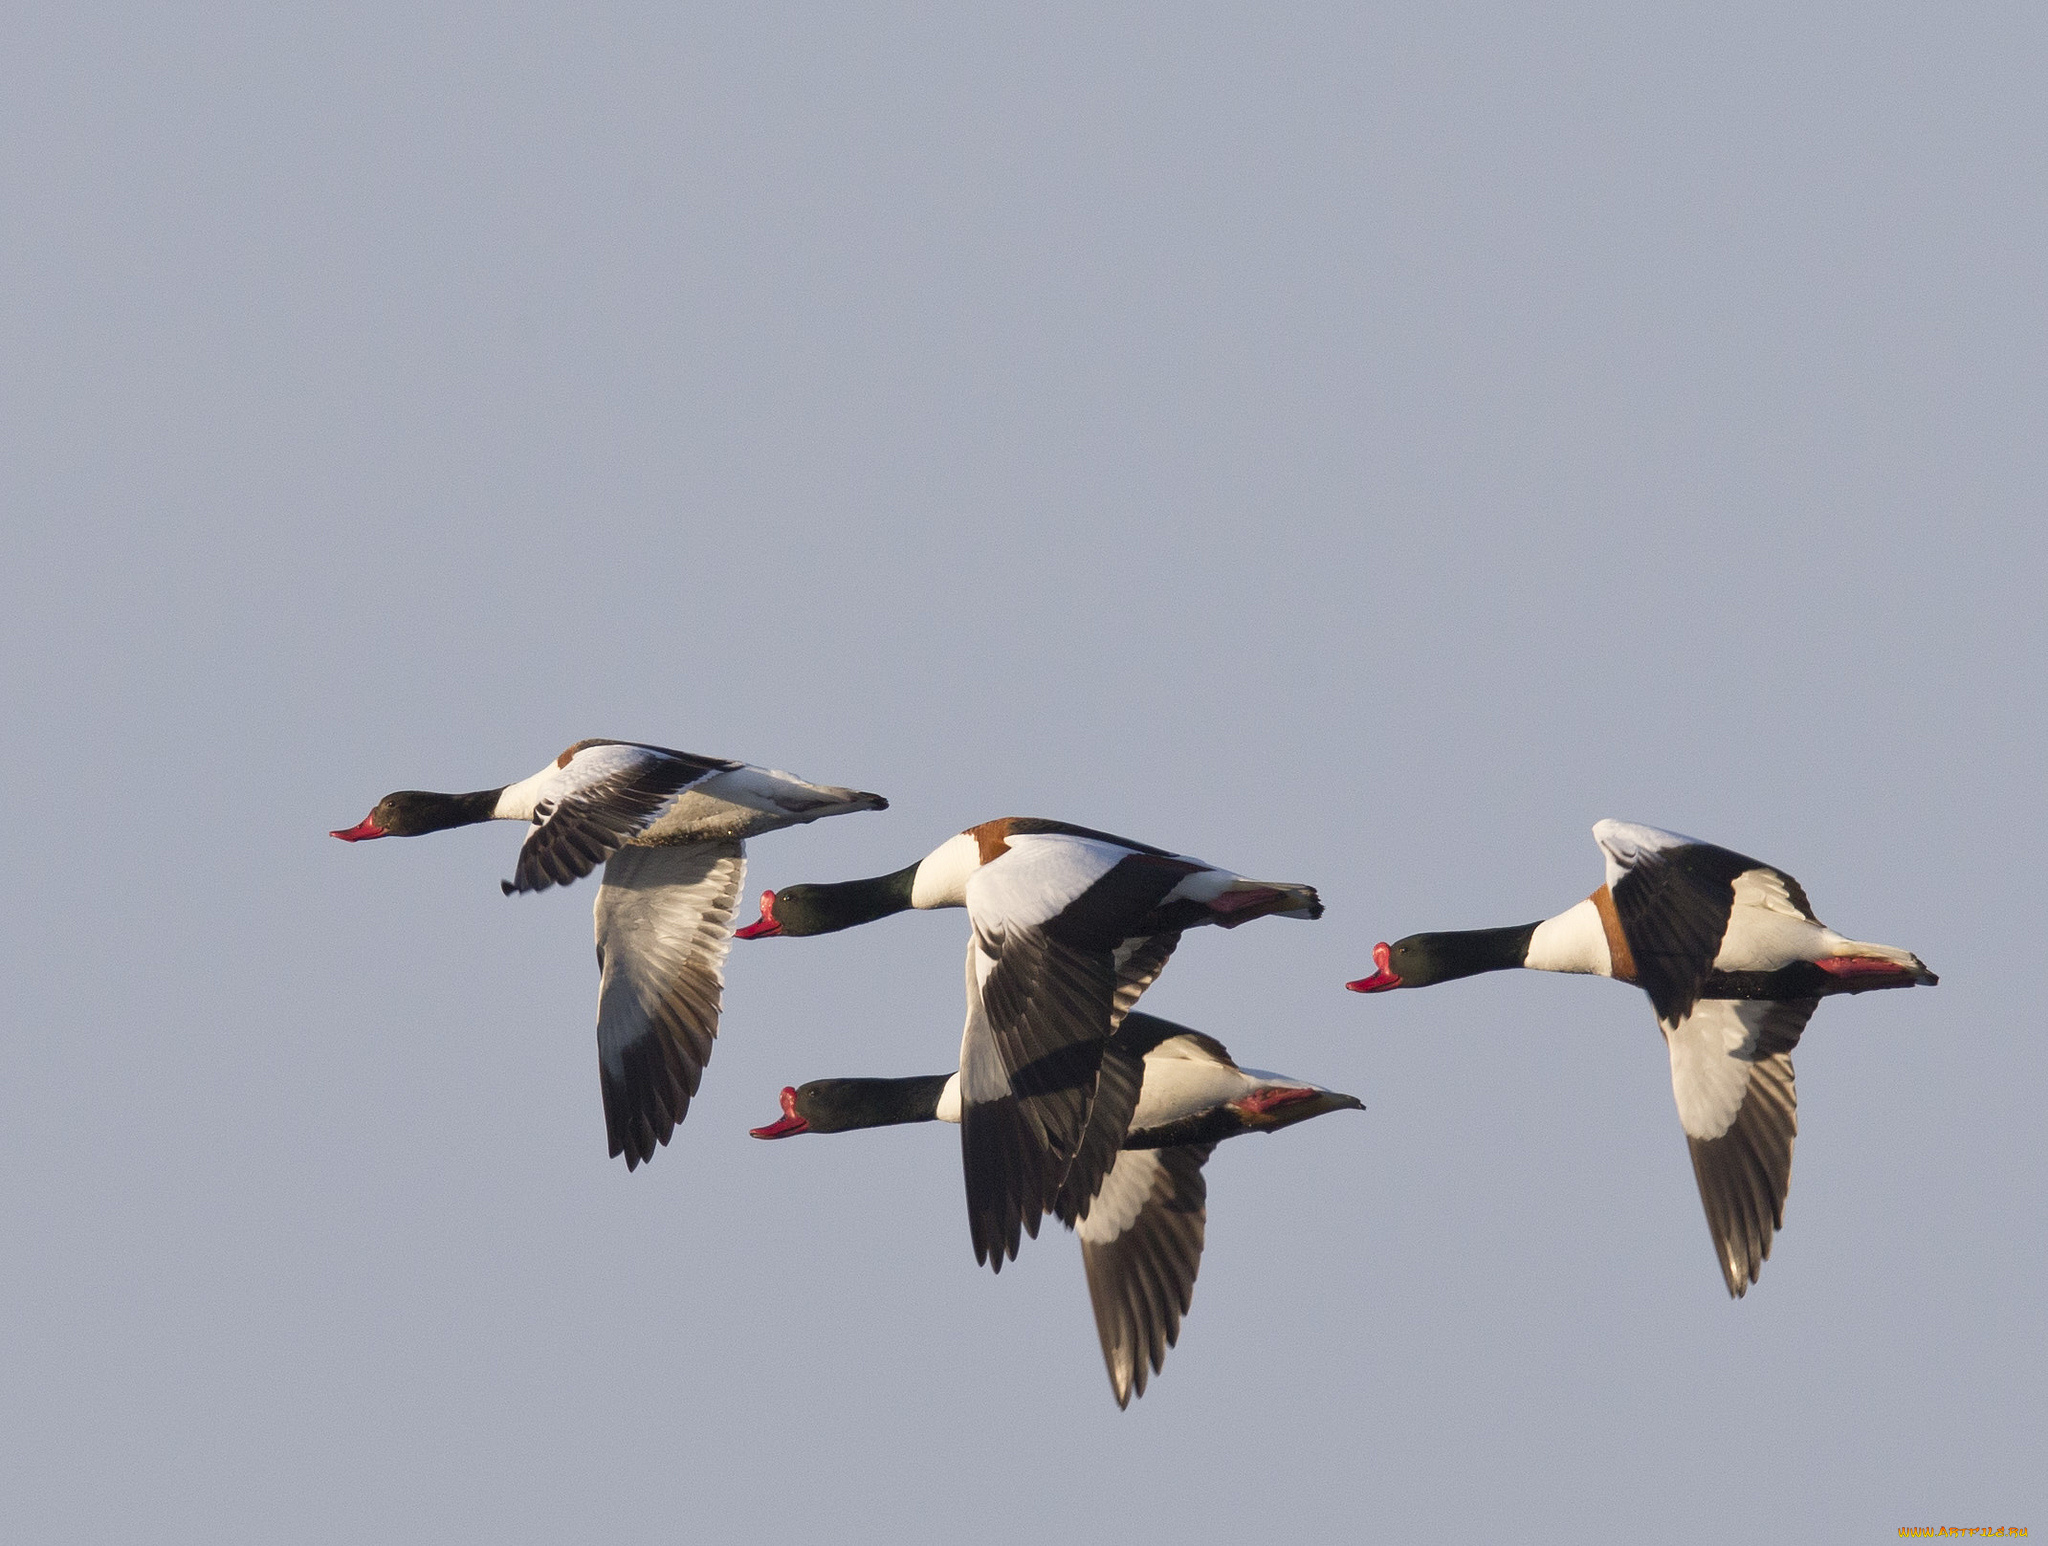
942	877
1573	941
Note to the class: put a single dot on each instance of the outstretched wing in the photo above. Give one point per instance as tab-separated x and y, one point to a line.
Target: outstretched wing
1118	1081
1039	1014
1058	955
596	798
1141	1245
1731	1073
664	922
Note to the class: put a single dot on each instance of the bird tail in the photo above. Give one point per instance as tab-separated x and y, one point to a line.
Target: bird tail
1243	900
1855	958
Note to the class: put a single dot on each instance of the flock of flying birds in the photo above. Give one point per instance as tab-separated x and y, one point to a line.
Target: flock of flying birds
1069	1100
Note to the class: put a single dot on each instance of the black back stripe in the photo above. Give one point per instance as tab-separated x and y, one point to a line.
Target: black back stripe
1030	825
1674	907
1121	905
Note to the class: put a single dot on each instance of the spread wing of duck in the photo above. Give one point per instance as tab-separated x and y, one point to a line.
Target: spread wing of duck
1141	1247
1731	1073
597	797
663	921
1050	972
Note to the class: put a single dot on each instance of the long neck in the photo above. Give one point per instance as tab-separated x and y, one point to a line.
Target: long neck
843	904
1468	952
841	1105
456	810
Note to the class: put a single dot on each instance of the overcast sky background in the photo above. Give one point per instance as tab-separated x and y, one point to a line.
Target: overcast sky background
1362	448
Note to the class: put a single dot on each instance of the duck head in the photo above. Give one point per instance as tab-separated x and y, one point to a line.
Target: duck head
411	812
1423	959
843	1105
830	907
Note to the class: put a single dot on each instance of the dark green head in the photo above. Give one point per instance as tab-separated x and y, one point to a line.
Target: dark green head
411	812
841	1105
1423	959
826	909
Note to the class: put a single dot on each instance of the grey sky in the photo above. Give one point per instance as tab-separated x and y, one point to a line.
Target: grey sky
1358	448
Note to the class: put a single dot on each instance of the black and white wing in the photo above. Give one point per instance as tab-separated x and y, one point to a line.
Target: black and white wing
664	923
1731	1072
1673	897
1047	971
596	797
1038	1018
1119	1080
1141	1245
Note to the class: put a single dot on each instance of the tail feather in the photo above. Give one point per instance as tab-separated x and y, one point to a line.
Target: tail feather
1922	977
773	792
827	801
1245	900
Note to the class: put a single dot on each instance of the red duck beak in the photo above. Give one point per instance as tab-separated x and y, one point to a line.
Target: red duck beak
1386	977
361	832
765	927
790	1125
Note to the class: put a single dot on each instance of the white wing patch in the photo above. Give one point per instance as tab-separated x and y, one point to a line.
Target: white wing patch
592	765
982	1077
1125	1191
1766	889
1177	1087
1204	885
1712	1052
1189	1048
1767	929
1039	875
583	813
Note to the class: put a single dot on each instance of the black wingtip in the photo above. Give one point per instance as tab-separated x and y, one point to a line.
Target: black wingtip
993	1253
1738	1276
618	1147
507	887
